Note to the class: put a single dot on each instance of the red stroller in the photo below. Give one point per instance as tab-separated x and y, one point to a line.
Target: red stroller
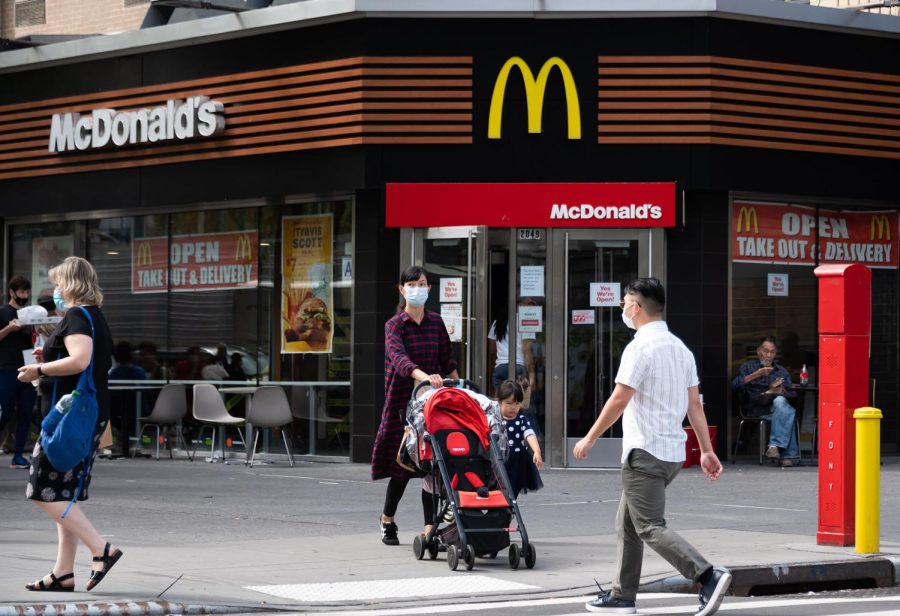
473	503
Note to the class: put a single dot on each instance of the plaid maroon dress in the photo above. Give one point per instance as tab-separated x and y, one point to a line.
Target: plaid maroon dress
407	345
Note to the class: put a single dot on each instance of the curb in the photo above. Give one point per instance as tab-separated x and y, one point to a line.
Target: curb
122	608
795	577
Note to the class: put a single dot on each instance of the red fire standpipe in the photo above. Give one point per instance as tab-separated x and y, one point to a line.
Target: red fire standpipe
845	300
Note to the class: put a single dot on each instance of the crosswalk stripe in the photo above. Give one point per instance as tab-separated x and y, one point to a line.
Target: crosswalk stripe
392	589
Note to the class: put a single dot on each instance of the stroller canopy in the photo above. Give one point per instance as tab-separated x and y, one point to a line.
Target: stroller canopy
450	408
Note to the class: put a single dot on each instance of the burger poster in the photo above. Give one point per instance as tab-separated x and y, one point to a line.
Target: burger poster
307	303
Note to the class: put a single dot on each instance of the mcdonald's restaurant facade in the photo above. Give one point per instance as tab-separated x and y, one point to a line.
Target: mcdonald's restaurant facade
260	185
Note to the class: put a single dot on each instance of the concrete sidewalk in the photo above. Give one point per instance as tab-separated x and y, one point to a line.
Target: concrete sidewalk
201	535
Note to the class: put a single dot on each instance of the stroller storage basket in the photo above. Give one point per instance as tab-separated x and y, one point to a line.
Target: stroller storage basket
474	520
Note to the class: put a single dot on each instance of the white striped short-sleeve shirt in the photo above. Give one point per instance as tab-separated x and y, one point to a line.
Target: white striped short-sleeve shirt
660	368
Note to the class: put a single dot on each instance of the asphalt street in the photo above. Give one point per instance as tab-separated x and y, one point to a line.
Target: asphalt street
273	535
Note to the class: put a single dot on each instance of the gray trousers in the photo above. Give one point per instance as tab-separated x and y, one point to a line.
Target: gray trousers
641	519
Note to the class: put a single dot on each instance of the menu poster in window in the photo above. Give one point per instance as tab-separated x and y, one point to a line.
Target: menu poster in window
531	319
307	303
195	262
531	280
606	294
451	289
778	285
47	252
452	316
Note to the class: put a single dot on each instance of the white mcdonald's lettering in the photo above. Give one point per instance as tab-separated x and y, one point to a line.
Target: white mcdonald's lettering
200	252
196	116
585	211
226	274
860	253
151	279
794	224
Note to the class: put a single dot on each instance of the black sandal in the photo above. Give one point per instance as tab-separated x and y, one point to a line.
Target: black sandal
54	585
108	562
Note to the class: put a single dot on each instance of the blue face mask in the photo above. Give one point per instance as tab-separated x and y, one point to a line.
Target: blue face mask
58	301
416	296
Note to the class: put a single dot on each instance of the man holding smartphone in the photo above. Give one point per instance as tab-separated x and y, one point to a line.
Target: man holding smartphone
766	387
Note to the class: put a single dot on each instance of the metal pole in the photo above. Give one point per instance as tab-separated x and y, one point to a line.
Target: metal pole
868	482
512	326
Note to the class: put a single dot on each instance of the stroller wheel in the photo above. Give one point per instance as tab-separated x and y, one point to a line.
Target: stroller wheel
530	556
433	549
514	556
419	547
452	557
470	557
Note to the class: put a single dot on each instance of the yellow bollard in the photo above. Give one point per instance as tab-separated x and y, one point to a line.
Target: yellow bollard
868	483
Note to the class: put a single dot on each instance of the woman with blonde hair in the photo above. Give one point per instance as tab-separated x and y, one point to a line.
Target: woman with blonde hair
66	354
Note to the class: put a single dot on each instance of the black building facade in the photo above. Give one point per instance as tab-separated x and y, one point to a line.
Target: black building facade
739	109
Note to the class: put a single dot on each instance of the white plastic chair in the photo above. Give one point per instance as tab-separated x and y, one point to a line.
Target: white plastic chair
169	409
270	409
209	409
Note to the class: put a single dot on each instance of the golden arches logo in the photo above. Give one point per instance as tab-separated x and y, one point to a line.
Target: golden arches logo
745	216
144	254
881	222
244	249
534	96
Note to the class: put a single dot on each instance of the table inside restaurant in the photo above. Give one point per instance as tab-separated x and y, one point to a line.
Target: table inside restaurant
807	406
138	387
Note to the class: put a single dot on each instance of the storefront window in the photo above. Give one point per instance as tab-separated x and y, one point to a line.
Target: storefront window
775	248
197	296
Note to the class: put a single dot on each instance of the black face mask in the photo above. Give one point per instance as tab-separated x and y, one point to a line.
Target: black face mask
20	301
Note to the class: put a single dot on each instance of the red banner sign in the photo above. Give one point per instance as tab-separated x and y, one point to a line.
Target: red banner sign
650	204
794	235
202	262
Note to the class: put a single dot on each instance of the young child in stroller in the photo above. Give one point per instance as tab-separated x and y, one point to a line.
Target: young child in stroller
459	443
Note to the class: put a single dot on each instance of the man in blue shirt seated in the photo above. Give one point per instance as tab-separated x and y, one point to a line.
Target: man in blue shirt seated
766	386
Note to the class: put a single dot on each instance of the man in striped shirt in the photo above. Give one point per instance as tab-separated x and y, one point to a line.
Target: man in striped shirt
656	386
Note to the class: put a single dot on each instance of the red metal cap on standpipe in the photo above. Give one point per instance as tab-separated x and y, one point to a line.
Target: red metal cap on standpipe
845	299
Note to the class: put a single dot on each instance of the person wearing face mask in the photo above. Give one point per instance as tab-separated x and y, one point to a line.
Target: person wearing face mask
765	387
16	399
656	386
416	348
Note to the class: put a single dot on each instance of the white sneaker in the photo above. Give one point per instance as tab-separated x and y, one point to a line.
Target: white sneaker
712	593
772	452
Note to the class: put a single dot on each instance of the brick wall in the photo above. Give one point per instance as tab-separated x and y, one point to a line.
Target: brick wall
76	17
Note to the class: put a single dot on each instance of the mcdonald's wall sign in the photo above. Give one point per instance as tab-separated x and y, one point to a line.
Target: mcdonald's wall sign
203	262
795	235
535	90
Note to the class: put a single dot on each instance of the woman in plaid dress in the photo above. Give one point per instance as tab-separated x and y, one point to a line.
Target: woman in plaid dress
416	348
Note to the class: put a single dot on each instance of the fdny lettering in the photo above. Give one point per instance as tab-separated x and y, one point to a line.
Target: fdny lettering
647	211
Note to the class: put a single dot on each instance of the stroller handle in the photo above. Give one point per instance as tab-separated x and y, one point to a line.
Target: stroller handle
461	383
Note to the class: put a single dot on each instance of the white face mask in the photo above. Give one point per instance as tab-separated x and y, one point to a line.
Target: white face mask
416	296
627	320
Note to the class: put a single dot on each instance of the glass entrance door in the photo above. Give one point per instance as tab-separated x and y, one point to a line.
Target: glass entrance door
595	266
539	283
452	257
